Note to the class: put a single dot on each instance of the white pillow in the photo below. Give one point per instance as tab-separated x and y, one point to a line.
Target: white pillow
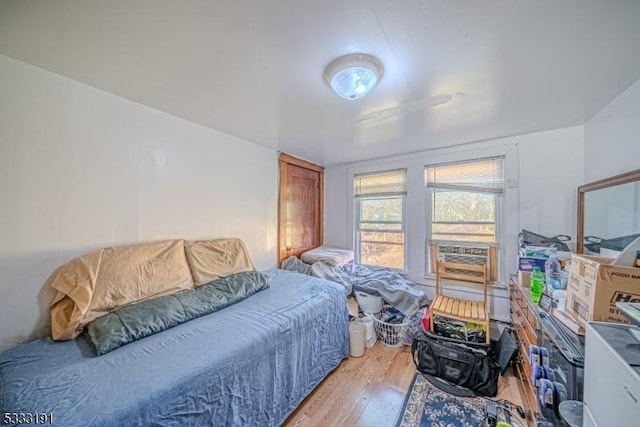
329	255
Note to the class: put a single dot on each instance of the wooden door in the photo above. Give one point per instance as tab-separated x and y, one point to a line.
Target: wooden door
299	207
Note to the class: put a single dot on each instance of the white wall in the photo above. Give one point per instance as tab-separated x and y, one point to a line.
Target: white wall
543	171
82	169
612	137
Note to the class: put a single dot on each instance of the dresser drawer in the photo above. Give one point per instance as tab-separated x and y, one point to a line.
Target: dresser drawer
530	398
525	330
525	323
524	313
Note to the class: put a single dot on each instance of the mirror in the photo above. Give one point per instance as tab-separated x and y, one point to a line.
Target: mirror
608	214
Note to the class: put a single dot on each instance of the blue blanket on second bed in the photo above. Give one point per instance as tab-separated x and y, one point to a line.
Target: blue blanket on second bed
249	364
386	282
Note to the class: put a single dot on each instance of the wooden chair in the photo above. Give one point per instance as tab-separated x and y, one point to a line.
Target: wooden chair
457	308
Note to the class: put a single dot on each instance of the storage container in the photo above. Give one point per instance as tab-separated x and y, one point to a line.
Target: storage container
595	285
391	334
357	335
369	303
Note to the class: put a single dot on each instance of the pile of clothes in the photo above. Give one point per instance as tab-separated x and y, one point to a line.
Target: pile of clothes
387	283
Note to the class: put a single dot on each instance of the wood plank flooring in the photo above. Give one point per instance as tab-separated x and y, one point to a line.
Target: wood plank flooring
369	391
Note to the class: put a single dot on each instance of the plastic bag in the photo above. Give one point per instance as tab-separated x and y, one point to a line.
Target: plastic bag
530	238
370	336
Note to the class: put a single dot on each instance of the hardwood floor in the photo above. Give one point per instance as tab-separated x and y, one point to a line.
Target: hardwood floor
369	391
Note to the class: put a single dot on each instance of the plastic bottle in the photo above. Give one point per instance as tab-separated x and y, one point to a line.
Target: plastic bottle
357	338
537	285
552	271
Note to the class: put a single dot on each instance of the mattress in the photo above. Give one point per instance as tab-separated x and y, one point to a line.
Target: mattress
249	364
329	255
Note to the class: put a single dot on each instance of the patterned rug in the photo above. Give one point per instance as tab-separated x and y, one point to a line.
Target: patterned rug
427	406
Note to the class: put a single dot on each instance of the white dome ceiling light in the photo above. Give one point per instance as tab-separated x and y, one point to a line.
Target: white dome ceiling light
353	76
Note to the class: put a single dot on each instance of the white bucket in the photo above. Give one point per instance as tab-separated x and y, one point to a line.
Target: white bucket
357	335
369	303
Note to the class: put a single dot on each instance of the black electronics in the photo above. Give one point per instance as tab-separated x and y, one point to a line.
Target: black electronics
546	302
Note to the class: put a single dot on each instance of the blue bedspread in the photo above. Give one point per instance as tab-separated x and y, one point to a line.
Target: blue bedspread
250	364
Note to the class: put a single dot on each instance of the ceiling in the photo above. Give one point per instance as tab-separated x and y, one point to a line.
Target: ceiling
456	71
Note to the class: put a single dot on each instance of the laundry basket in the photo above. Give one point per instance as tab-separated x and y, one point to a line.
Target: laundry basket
391	334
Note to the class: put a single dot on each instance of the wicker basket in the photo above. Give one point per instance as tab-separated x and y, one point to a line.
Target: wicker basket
391	334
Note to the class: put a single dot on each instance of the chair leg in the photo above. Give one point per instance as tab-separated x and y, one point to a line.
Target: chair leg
486	335
431	322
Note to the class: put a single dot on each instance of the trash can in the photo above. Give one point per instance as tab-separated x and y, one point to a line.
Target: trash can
357	336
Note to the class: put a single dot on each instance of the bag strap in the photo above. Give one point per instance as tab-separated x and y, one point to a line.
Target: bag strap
441	339
447	387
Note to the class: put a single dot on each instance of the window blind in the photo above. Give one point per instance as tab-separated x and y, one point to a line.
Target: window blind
485	175
388	183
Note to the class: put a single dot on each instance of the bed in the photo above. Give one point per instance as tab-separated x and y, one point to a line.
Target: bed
387	283
251	363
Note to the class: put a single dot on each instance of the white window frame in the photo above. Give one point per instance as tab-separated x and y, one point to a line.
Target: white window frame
367	185
403	230
500	210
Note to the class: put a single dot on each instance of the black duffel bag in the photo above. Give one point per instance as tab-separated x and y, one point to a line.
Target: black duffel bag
468	365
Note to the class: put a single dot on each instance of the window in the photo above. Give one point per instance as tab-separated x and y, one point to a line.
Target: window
464	205
380	219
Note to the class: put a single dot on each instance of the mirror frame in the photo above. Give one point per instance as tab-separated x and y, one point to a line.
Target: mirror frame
597	185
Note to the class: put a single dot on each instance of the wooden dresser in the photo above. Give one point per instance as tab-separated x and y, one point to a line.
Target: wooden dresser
526	323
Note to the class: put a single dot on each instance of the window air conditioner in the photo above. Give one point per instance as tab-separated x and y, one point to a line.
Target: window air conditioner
466	254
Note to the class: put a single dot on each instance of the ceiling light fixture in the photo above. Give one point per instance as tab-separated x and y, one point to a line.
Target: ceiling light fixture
353	76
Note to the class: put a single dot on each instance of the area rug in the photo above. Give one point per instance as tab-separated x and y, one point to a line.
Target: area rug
427	406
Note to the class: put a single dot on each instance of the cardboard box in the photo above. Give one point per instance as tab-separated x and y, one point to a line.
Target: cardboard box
524	278
595	286
526	263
